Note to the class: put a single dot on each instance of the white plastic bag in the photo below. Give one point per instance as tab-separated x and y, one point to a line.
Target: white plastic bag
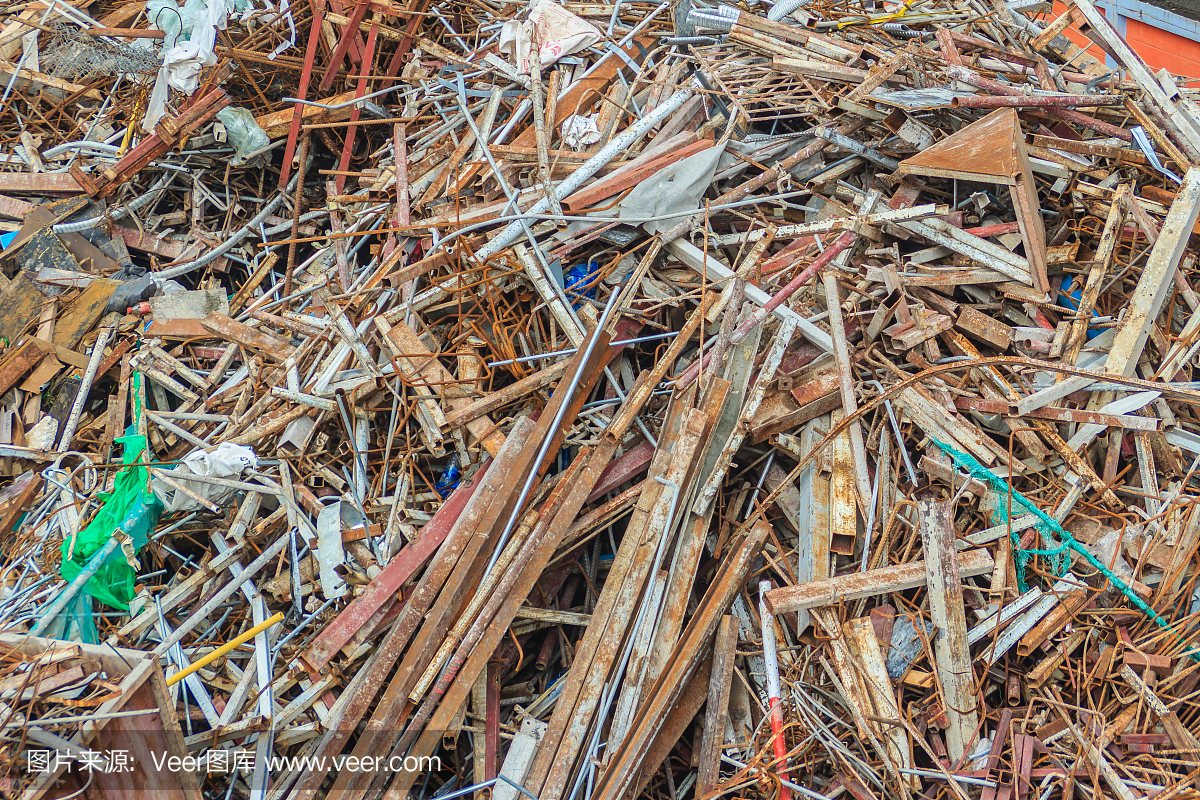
244	133
558	32
183	61
579	131
224	461
672	190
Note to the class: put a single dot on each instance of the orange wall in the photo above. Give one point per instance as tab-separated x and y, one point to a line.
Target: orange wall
1163	49
1159	49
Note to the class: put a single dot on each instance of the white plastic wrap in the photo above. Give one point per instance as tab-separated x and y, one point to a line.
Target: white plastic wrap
558	33
224	461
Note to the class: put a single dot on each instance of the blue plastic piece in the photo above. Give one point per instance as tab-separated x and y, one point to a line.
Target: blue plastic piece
581	275
6	238
449	479
1066	296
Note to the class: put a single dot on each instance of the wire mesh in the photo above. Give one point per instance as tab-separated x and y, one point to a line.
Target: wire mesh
73	55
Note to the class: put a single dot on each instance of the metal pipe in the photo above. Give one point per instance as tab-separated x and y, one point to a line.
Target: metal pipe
221	596
233	240
558	417
196	666
782	9
971	78
1040	101
348	102
66	147
68	593
85	388
771	659
571	350
142	200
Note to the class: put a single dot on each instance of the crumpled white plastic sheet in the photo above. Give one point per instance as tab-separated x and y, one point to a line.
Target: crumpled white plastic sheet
578	131
558	32
199	21
223	461
672	190
285	10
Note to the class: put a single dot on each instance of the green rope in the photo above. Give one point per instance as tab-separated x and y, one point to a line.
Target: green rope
1061	539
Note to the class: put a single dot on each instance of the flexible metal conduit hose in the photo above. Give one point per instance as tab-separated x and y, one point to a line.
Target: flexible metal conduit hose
781	9
65	147
118	213
720	18
234	238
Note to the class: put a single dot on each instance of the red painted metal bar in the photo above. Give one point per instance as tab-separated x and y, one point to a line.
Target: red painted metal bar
402	212
351	129
971	78
392	577
167	132
779	298
405	43
343	45
356	43
623	469
1040	101
310	55
402	208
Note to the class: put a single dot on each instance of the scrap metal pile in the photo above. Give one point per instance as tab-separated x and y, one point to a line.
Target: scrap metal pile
595	401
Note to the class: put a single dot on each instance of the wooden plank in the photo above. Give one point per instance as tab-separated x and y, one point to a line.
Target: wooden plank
1155	283
519	756
28	80
20	494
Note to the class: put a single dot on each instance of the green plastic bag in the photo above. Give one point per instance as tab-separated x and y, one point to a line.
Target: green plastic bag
130	510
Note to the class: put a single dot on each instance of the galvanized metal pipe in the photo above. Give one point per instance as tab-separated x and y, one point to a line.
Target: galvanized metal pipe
47	617
85	388
771	659
227	591
569	391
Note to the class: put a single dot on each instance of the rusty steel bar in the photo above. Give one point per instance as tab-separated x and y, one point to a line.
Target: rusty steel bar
842	243
971	78
1040	101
